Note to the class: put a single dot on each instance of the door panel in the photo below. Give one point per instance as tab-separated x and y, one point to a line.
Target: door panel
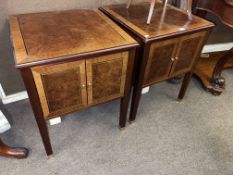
61	87
106	77
189	48
161	53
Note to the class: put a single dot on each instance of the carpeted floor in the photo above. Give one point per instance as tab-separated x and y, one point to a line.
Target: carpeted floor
194	137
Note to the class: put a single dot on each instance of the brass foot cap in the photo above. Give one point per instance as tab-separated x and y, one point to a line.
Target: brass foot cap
121	129
131	121
50	157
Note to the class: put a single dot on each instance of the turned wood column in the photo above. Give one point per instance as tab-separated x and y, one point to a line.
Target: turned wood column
217	80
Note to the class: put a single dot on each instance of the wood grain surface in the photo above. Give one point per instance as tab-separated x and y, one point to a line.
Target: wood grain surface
48	35
61	87
106	77
165	21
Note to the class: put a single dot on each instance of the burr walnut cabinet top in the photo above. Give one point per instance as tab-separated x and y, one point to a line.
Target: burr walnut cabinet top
165	21
51	36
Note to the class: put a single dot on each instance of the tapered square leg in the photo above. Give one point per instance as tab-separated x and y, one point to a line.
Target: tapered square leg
184	85
123	112
38	113
45	136
128	84
135	103
143	53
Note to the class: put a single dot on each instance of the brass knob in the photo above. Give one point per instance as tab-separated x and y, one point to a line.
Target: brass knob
83	85
89	84
176	58
173	59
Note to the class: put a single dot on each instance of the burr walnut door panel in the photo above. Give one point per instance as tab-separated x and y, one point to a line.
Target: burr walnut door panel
61	87
106	77
188	50
160	60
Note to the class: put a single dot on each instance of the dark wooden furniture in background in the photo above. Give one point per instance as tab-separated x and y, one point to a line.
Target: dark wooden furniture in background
170	45
209	70
14	152
229	2
71	60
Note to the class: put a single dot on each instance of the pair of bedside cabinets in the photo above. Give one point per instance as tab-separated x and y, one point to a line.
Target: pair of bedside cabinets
71	60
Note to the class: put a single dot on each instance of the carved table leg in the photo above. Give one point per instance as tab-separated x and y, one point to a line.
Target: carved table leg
218	81
18	153
204	70
215	83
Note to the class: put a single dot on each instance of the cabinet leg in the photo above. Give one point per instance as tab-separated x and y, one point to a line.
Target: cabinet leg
135	103
123	112
45	136
143	56
125	99
38	112
184	85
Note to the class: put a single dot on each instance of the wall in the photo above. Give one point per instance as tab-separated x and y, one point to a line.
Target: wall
9	77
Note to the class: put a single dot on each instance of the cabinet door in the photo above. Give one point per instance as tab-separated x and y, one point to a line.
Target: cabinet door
61	87
160	61
106	77
188	50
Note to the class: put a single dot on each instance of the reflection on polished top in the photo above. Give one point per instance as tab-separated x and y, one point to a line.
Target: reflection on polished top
44	36
166	20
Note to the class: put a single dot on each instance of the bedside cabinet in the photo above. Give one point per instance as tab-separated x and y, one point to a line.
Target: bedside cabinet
69	61
169	45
